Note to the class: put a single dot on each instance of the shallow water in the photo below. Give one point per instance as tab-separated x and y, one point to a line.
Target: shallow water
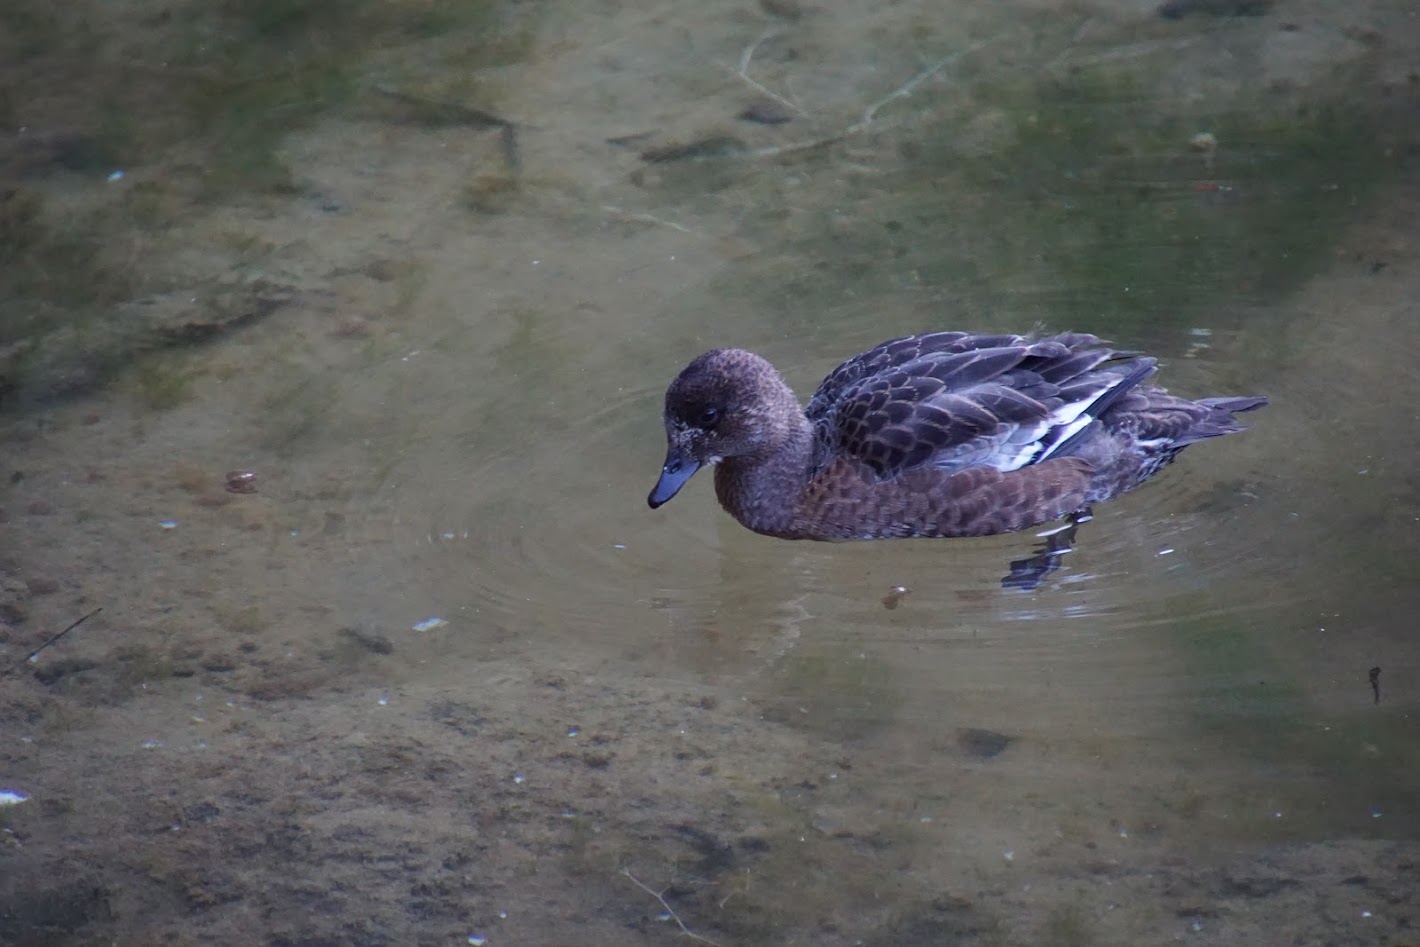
444	676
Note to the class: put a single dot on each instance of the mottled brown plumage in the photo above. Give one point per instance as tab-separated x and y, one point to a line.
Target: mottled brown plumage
944	434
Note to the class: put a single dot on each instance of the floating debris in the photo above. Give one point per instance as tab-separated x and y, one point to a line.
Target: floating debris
168	524
12	797
477	940
1178	9
711	146
982	744
766	113
241	481
417	109
365	638
628	141
1205	142
115	176
429	624
895	596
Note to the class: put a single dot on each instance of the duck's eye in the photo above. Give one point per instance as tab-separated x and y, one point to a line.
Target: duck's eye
709	416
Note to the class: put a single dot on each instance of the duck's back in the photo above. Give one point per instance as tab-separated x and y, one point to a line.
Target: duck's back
954	400
953	433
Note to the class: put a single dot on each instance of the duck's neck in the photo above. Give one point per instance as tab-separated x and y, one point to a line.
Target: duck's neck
763	490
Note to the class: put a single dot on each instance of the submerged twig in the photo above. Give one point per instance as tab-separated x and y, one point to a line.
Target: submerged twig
647	219
49	641
742	73
908	87
445	113
870	114
441	112
671	913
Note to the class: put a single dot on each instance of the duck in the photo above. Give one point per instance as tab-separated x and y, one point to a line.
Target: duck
942	434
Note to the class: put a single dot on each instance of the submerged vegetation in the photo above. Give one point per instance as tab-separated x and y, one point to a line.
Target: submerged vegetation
208	91
1130	209
1327	760
1091	196
1077	195
124	123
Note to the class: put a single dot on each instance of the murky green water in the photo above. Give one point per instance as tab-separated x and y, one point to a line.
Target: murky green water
444	677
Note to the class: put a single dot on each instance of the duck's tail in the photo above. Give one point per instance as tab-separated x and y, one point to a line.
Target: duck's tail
1146	428
1219	419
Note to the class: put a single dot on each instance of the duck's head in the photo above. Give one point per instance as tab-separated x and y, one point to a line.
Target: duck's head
727	403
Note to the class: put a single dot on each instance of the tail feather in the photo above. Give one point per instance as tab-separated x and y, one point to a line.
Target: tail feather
1237	404
1219	419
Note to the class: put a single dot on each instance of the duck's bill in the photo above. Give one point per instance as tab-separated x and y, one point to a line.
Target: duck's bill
673	476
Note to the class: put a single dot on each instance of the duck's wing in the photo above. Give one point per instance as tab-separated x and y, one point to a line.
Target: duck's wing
954	401
895	352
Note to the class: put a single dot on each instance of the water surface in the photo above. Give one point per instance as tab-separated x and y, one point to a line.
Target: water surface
445	677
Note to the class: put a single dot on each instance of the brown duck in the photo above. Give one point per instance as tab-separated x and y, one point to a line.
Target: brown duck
943	434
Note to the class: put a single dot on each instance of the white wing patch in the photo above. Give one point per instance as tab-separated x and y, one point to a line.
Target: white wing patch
1070	419
1021	447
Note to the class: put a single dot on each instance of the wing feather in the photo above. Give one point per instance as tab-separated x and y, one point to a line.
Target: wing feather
953	401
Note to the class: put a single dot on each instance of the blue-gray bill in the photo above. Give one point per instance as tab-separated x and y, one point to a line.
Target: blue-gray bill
674	475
